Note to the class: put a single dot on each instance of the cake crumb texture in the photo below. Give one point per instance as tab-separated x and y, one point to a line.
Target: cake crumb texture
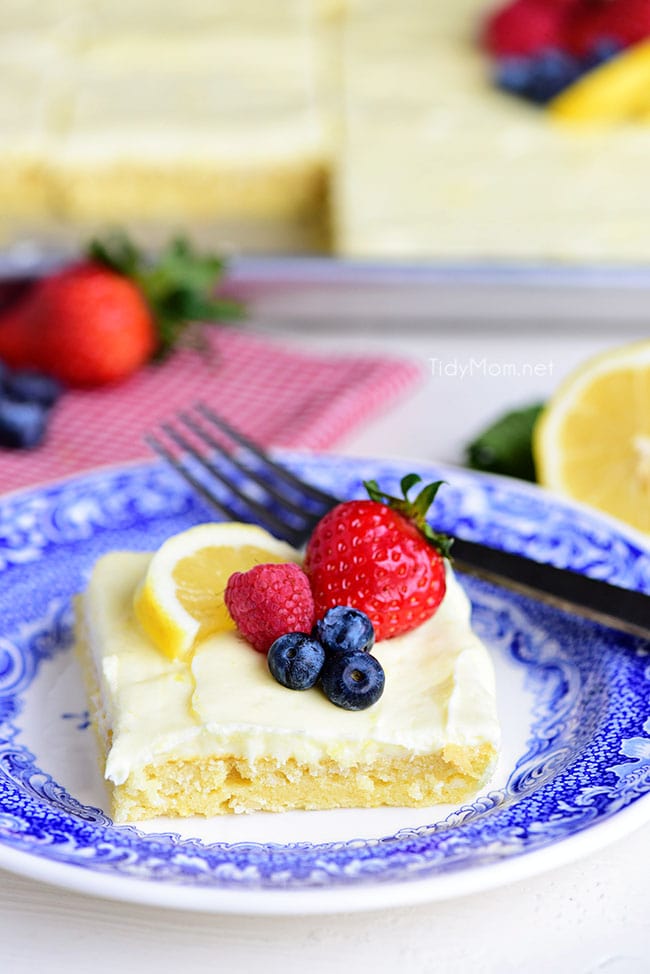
217	786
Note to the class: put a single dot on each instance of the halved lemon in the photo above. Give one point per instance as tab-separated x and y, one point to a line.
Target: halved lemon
181	598
592	442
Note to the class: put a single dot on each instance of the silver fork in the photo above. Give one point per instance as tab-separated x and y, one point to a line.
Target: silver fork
244	483
248	485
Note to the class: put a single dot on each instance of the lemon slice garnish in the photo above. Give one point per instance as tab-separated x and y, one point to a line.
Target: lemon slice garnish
617	91
181	598
592	442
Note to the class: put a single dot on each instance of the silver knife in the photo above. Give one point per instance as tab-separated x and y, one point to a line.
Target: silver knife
611	605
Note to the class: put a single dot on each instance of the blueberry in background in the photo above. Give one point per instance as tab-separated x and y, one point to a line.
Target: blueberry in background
22	424
26	385
296	660
553	72
539	79
353	681
26	398
603	50
514	74
344	629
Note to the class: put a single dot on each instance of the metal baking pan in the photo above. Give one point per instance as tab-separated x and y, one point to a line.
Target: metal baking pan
305	292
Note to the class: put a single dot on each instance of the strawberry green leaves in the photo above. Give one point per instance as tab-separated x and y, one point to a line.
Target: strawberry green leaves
415	510
179	286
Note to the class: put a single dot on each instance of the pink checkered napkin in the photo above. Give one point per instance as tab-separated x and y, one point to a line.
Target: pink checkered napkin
275	394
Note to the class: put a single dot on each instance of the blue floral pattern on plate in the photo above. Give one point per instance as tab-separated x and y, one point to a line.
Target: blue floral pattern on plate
586	758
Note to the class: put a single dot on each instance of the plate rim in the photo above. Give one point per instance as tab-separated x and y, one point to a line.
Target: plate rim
335	899
628	531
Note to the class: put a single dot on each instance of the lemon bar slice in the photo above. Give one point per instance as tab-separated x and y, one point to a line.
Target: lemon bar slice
216	734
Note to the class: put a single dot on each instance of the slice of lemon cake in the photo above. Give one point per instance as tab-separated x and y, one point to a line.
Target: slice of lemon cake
212	732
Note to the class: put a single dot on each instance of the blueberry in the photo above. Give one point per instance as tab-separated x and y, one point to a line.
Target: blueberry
22	424
343	629
515	74
539	78
603	50
553	72
29	386
296	660
353	681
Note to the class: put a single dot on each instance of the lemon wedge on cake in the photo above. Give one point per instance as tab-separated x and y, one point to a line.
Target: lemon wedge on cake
180	600
592	442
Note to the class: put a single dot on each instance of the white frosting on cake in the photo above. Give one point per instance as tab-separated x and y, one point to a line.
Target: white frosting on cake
439	690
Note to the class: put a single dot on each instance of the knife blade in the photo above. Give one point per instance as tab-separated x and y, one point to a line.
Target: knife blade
611	605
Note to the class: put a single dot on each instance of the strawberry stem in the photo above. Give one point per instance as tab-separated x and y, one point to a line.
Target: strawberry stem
415	510
179	287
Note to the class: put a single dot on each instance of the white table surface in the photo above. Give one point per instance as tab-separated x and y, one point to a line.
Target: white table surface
589	916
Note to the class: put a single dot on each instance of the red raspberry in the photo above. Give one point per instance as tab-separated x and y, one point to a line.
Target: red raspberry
525	27
268	601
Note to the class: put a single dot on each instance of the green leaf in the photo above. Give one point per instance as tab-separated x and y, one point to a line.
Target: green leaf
117	252
409	481
426	497
440	541
374	493
505	447
416	510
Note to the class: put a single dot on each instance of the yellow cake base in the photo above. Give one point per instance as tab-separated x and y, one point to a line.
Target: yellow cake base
217	785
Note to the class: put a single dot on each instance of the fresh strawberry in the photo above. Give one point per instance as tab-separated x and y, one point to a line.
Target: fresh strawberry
99	321
595	22
269	601
86	325
381	557
525	27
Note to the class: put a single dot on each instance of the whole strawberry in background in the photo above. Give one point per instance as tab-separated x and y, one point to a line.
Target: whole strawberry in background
380	556
100	320
86	325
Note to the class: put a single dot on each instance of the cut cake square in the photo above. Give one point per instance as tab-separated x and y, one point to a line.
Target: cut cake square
218	735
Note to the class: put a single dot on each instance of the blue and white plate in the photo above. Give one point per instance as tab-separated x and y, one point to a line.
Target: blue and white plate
573	700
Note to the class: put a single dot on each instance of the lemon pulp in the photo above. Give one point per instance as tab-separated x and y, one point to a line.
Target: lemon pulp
181	598
593	439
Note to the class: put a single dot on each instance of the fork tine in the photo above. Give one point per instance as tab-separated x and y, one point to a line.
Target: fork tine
189	477
293	534
306	489
270	489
